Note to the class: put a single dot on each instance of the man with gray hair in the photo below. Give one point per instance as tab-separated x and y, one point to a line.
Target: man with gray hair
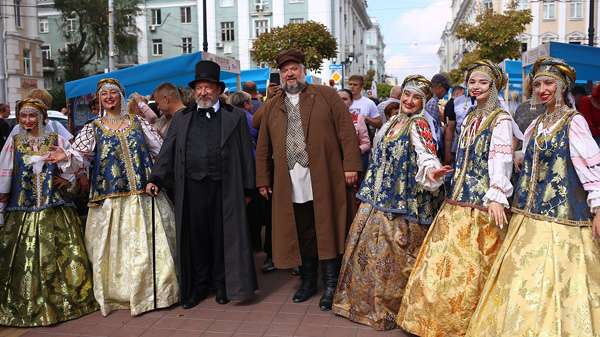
395	94
308	158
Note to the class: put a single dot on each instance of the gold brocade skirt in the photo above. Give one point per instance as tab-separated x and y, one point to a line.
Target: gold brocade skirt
380	251
45	275
545	282
118	238
450	273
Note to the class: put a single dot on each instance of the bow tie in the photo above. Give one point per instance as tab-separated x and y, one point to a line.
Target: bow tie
206	112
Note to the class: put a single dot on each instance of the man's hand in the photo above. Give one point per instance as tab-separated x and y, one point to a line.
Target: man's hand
351	178
265	191
56	155
247	200
273	89
60	182
448	157
83	184
519	164
149	189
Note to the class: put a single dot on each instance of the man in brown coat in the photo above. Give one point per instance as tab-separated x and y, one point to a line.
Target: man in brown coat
307	156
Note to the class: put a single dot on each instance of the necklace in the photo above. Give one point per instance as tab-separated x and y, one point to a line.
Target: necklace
549	119
115	118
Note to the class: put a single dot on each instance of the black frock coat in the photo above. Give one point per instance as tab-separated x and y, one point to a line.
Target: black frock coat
238	175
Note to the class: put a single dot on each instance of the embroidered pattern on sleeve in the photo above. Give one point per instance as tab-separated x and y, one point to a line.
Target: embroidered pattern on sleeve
426	136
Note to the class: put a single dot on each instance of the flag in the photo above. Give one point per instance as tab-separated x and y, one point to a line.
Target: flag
374	88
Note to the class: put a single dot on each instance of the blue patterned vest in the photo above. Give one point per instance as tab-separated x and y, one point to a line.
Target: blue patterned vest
122	164
390	185
34	192
549	188
471	179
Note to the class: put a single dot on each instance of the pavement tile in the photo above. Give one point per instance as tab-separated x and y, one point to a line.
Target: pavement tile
155	332
267	307
115	320
260	317
49	329
75	328
281	329
249	328
195	324
146	321
12	332
311	331
314	310
94	317
34	334
223	327
169	323
186	333
206	314
100	330
179	311
316	320
215	334
276	298
338	321
294	308
283	318
128	331
341	332
235	316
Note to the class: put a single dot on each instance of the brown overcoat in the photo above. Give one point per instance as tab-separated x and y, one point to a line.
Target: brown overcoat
332	148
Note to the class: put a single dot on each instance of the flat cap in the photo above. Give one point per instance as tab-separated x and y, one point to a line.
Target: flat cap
441	79
293	54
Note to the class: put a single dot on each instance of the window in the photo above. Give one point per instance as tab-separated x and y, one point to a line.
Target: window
18	22
157	47
576	9
27	62
523	47
488	5
101	54
523	4
297	20
296	1
548	10
226	3
46	52
227	31
186	45
260	26
71	24
44	25
156	19
261	2
186	14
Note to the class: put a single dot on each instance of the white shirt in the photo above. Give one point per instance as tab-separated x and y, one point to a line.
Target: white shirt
365	107
299	175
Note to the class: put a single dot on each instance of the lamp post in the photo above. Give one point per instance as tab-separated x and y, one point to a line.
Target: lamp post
344	64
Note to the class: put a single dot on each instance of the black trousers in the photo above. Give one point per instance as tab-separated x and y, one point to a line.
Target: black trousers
304	214
202	237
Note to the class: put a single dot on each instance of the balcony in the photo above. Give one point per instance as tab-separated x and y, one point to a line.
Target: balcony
126	61
48	65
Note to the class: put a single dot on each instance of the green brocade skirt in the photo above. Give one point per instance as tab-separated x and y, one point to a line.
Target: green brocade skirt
45	275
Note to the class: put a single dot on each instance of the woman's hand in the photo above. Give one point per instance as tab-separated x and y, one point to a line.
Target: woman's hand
596	226
496	210
56	155
433	175
60	182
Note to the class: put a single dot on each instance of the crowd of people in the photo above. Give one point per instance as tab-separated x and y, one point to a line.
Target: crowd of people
421	217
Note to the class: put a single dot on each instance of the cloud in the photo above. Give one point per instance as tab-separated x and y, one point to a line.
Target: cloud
413	43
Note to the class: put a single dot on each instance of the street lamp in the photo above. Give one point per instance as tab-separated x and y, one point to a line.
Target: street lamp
344	64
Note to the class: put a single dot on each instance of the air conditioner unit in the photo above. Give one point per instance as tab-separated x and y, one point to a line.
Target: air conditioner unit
259	7
57	79
152	28
219	44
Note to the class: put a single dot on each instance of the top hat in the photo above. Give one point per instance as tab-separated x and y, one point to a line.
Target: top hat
208	71
293	54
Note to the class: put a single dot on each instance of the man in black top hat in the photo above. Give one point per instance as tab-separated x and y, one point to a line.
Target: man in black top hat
210	149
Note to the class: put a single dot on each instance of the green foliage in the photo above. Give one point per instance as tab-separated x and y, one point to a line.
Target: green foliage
58	97
369	78
91	31
495	36
383	90
311	37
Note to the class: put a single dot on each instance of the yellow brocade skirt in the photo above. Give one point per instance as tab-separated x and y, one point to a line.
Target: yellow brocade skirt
118	239
45	275
545	282
450	272
380	251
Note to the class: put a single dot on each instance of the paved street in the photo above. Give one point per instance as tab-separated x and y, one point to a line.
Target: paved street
271	313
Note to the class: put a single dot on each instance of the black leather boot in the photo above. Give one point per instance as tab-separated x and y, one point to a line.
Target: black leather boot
309	274
331	271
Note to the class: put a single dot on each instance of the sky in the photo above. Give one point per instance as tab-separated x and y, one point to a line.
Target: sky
411	31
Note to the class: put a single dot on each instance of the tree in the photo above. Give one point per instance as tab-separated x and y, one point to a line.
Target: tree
369	78
495	37
311	37
86	30
383	90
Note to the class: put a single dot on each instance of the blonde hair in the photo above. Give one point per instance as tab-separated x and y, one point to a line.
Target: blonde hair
42	95
132	104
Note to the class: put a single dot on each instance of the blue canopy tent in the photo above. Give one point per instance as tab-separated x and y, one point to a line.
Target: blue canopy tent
258	76
583	58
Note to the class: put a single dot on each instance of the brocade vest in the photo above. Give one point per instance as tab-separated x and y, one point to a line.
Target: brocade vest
34	192
122	163
549	188
390	184
471	179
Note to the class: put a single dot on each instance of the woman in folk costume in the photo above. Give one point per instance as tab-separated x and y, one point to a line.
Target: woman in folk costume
399	199
118	232
45	275
546	280
464	239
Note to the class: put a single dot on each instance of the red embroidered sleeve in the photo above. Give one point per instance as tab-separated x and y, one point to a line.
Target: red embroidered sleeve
426	137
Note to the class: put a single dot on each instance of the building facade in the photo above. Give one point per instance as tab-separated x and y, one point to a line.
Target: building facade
558	21
167	28
375	51
21	54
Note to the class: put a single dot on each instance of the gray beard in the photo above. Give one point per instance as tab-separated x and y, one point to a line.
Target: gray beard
212	102
296	88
